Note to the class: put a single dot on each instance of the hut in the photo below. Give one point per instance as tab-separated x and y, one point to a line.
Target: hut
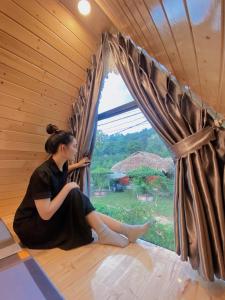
144	159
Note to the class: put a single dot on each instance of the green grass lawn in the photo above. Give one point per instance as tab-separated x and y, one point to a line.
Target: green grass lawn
125	207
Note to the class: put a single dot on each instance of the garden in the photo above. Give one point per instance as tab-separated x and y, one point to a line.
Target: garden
147	197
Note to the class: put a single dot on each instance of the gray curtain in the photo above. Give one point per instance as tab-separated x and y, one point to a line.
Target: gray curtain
197	145
83	121
196	142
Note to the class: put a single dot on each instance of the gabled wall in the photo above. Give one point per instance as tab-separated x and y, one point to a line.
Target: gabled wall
44	53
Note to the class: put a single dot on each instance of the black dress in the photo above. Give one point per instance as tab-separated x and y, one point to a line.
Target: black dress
67	228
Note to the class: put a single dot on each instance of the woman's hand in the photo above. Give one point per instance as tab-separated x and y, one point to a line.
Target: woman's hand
71	185
46	207
84	162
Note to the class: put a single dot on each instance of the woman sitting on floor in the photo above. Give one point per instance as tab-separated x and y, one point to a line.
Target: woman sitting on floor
55	213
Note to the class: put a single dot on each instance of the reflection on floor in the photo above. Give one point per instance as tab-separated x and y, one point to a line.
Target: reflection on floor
140	271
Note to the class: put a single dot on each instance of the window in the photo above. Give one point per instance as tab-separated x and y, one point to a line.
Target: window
132	173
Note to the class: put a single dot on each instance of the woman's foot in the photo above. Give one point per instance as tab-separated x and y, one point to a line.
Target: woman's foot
133	232
110	237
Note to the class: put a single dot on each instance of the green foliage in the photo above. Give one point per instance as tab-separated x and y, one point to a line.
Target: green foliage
165	185
110	149
126	208
99	177
143	172
156	145
162	235
141	187
139	175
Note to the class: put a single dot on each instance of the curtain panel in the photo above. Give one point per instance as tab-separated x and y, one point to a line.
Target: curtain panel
83	121
196	141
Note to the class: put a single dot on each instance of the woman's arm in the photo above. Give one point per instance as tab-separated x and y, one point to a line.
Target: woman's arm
46	207
73	167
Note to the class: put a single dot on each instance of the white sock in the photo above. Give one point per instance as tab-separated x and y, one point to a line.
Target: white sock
133	232
110	237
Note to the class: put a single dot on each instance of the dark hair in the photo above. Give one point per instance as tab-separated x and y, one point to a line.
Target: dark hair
57	137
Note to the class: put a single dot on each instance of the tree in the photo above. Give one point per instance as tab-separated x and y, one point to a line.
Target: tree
100	178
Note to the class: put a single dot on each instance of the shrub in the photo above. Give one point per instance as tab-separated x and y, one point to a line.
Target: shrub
100	178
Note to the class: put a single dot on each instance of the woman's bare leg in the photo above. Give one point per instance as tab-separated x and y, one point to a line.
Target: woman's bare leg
94	220
105	234
114	224
131	231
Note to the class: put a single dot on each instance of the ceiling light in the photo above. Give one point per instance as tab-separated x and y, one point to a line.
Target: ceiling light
84	7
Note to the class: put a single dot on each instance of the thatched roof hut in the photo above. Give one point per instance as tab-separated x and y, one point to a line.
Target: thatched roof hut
143	159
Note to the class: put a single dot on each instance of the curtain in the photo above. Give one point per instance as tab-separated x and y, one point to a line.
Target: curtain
196	141
197	145
83	121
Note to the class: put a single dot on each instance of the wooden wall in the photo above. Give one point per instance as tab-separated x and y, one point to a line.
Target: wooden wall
44	53
187	36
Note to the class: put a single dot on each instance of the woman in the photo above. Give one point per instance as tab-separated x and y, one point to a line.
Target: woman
55	213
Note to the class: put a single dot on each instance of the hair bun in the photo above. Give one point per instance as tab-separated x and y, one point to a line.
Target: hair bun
51	128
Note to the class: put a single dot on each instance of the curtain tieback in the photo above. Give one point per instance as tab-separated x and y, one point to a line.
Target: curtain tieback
193	142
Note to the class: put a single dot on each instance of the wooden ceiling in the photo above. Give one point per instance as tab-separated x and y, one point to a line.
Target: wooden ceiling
186	36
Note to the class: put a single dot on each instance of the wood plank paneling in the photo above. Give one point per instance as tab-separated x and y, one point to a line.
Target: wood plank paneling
59	75
14	28
69	42
95	23
22	155
44	54
205	18
47	84
21	126
186	36
190	70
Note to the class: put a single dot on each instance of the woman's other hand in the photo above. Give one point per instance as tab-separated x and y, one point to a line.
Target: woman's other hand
46	207
71	185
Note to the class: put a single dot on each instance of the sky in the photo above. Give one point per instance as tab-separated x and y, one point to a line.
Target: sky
115	93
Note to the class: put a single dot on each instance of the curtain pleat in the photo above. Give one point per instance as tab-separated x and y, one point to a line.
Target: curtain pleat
83	121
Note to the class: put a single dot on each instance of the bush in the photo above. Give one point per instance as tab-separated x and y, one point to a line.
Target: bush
141	186
100	178
143	172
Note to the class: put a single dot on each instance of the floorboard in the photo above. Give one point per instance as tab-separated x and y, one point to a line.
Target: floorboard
140	271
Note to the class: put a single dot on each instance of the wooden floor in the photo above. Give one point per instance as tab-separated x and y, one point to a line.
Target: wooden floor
140	271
